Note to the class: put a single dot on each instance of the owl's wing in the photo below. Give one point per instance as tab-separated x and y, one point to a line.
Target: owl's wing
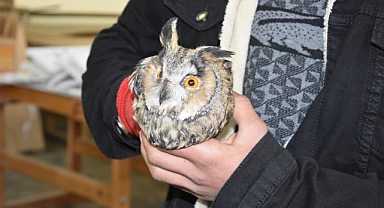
135	80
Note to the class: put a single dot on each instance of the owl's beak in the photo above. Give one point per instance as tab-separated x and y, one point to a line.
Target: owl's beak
164	95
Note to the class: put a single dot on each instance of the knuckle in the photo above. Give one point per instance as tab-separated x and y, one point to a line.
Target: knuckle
200	180
156	174
153	158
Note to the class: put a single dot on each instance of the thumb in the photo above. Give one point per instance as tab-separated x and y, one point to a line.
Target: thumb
246	118
244	112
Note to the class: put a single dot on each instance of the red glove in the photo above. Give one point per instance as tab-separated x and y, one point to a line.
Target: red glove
124	103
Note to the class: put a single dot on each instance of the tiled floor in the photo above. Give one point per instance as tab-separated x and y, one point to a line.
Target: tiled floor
146	193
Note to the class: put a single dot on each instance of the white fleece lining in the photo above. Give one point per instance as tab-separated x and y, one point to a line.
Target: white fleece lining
236	32
229	20
237	28
328	12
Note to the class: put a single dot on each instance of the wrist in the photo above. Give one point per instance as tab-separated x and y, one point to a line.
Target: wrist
124	101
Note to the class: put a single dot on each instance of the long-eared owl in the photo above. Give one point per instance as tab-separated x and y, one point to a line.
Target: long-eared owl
183	96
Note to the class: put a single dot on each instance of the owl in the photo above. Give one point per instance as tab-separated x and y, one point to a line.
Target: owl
183	96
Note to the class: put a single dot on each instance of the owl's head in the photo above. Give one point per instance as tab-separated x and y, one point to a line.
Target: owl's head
180	82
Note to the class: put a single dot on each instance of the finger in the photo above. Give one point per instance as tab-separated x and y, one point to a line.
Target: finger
169	177
161	159
166	176
202	149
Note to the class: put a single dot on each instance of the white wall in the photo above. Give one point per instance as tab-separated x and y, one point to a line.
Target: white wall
74	6
63	29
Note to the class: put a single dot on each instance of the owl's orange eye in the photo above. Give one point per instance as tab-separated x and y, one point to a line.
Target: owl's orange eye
191	82
160	73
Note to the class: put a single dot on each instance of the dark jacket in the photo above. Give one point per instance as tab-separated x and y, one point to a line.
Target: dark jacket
335	159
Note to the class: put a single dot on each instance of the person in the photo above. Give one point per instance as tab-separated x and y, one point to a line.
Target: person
308	90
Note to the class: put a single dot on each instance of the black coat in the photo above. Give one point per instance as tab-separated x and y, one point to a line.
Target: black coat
335	159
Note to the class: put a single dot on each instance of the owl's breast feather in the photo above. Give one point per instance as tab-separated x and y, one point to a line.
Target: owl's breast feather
170	132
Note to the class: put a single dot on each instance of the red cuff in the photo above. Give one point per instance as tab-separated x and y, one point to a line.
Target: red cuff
124	101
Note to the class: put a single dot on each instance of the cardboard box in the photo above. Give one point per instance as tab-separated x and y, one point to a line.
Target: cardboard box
23	128
12	42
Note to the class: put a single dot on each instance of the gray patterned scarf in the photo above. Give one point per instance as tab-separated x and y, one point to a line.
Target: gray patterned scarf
285	66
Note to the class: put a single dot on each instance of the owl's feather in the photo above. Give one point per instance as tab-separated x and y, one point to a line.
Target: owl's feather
183	96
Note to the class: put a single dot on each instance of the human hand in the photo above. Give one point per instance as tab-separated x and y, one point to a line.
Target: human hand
203	169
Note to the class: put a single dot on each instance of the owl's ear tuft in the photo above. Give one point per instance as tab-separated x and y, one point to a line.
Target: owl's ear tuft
222	54
168	35
217	53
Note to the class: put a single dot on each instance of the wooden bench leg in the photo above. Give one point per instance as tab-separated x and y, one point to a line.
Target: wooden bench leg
73	135
2	144
121	184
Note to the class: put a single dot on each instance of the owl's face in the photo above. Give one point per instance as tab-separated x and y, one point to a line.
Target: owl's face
178	84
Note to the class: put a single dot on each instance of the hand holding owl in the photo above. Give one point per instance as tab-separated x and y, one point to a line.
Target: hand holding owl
204	168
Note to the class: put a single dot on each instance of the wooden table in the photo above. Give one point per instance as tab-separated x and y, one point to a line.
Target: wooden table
77	187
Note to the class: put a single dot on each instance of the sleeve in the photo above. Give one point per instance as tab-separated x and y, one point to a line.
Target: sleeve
271	177
124	102
114	54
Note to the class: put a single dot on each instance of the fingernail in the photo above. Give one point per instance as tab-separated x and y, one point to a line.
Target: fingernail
140	136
